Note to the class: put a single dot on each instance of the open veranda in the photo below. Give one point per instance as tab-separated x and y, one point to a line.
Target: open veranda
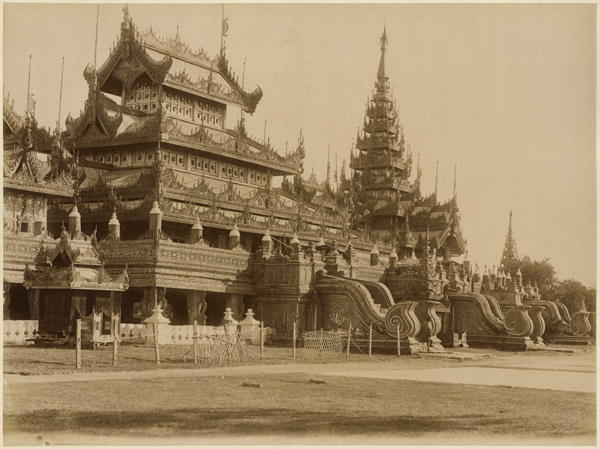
465	396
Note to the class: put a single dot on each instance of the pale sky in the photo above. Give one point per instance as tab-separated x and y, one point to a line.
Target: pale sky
508	92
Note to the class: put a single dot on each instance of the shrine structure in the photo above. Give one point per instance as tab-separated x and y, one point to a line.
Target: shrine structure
170	209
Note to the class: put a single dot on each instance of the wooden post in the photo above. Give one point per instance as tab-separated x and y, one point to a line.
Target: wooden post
320	343
370	338
398	339
348	342
78	344
294	341
262	340
195	342
115	339
156	349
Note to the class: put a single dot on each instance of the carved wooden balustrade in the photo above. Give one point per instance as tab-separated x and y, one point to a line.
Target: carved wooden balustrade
180	265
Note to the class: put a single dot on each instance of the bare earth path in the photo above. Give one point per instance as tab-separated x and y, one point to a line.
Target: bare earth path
505	398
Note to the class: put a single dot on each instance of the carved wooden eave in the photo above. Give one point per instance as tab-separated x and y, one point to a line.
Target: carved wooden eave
251	99
75	278
106	118
44	189
95	120
277	164
130	51
11	119
72	264
24	171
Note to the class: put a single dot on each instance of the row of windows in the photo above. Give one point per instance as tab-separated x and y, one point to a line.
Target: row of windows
204	117
176	159
125	159
194	109
186	100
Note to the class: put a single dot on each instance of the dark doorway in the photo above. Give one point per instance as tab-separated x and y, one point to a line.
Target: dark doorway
177	300
18	308
215	308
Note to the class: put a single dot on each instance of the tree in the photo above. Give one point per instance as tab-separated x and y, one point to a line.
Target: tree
573	294
535	271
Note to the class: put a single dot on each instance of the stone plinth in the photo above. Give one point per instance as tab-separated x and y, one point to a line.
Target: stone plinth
157	324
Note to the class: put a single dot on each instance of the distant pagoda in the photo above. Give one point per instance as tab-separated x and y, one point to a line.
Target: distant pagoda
509	255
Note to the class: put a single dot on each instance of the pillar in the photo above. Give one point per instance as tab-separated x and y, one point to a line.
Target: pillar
196	305
74	222
296	247
234	237
374	256
114	227
6	301
33	299
266	244
236	303
154	296
155	220
196	233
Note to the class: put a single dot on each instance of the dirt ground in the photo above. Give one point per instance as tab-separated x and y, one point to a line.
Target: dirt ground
301	401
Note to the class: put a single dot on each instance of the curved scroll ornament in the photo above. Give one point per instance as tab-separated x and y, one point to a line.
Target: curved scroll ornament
539	324
564	312
517	322
580	323
434	321
402	315
482	304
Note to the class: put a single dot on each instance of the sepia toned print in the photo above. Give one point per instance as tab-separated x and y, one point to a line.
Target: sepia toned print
211	238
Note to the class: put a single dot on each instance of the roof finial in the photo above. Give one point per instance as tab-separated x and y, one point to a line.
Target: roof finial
125	12
383	40
62	70
328	167
243	78
455	181
436	181
224	29
28	103
265	133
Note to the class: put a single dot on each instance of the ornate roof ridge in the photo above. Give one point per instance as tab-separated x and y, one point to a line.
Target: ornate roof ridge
251	98
11	117
131	42
176	47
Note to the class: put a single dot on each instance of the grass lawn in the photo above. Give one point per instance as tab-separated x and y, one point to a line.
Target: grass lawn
289	405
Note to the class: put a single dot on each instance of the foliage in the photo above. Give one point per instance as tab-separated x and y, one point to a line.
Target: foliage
535	271
573	294
570	292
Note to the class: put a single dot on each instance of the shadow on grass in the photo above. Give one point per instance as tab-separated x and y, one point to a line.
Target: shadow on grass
233	422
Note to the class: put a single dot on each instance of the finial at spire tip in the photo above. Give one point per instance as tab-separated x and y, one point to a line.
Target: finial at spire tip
383	40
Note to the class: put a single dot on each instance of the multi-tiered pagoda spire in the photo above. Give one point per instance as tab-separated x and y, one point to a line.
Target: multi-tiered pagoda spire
383	164
509	254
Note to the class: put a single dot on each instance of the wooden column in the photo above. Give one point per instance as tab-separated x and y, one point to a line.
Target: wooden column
196	306
236	303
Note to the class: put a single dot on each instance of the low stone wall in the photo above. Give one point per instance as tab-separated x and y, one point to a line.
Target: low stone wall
22	332
19	332
183	334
